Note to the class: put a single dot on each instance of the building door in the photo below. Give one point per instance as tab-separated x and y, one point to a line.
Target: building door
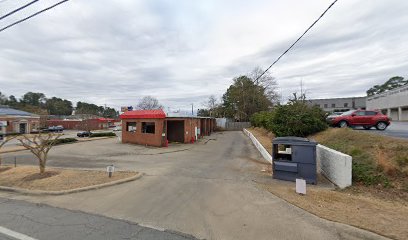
23	128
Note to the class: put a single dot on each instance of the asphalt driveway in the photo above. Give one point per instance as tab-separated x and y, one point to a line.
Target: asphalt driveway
205	189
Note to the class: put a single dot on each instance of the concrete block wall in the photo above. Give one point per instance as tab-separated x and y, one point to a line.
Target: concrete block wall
259	146
336	166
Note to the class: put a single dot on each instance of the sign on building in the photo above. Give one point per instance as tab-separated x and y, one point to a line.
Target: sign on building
125	109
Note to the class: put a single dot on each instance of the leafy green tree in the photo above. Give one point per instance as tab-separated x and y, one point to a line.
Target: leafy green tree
12	101
203	112
244	98
110	113
58	106
92	109
33	99
89	108
392	83
3	99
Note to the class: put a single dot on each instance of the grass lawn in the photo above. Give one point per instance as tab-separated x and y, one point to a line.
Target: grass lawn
378	199
55	179
380	162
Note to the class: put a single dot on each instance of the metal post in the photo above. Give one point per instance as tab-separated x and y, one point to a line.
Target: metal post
15	161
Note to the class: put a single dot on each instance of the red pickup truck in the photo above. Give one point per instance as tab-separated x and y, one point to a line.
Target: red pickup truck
364	118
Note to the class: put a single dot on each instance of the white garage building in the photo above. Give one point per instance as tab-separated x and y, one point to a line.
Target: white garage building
394	103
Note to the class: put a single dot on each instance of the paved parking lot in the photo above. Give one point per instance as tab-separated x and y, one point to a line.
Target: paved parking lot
396	129
207	189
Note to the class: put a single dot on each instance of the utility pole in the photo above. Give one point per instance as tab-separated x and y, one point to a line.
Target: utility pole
192	109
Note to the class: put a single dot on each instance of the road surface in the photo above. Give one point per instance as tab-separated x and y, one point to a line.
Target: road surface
208	190
27	221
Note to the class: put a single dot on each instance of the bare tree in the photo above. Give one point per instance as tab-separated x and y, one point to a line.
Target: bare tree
212	102
5	140
149	103
40	144
267	81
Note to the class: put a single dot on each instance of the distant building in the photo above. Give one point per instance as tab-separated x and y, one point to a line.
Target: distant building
82	124
394	103
17	121
339	104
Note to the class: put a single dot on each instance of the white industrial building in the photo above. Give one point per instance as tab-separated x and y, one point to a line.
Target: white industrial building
394	103
339	104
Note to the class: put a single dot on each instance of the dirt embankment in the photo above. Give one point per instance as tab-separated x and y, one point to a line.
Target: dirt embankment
377	208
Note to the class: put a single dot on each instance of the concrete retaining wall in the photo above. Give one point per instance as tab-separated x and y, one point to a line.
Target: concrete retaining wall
259	146
336	166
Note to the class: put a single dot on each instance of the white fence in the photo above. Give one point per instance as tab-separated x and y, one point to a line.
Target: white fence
259	146
334	165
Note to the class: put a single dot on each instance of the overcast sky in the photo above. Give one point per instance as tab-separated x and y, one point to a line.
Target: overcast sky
116	52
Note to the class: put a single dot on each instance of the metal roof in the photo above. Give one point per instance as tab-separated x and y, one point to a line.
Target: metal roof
148	114
14	112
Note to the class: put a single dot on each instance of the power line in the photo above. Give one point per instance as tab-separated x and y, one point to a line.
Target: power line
293	44
18	9
32	15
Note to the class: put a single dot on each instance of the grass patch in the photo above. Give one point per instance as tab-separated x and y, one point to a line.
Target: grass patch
377	160
103	134
65	140
55	179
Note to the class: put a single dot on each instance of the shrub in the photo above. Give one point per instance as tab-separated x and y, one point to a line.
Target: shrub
63	140
103	134
297	119
262	119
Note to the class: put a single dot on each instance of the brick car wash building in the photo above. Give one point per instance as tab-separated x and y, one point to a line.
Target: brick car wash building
155	128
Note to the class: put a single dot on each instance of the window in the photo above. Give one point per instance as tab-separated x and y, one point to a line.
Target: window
148	127
131	126
360	113
370	113
317	105
345	104
325	105
333	105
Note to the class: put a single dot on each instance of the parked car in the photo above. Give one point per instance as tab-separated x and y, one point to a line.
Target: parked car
52	129
363	118
84	134
117	128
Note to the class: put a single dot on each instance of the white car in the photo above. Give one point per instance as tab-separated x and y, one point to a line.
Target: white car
117	128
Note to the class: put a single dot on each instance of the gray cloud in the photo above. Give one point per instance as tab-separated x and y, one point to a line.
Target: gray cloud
119	51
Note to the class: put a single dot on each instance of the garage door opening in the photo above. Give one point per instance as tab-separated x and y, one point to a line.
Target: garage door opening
175	131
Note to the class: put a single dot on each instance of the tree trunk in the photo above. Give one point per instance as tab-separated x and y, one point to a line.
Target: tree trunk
43	161
42	168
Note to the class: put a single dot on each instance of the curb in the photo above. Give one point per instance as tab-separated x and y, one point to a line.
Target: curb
63	192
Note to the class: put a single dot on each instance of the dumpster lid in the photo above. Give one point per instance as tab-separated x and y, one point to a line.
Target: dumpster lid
294	140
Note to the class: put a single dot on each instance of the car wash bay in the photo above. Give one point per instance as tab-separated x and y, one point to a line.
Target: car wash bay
175	131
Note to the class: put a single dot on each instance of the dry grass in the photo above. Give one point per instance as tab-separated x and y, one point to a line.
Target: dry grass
263	136
377	160
54	179
388	218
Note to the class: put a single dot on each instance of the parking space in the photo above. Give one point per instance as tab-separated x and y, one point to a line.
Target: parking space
396	129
